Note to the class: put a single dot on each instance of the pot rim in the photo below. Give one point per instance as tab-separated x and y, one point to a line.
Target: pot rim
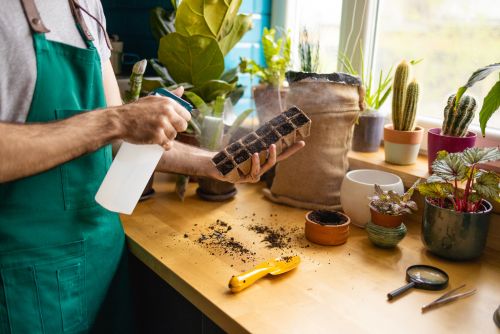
348	176
328	226
483	202
390	127
382	213
469	135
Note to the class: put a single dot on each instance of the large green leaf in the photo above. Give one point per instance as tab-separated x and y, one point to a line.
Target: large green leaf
220	15
190	21
450	168
195	59
477	155
491	103
242	23
487	185
478	75
209	90
435	190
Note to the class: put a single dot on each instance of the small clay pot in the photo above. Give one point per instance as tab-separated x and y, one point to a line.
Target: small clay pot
215	190
385	220
325	233
402	147
385	237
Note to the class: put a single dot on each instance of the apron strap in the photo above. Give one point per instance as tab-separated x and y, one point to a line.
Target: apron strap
33	16
76	10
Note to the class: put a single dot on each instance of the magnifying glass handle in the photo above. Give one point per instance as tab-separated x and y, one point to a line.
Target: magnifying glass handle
393	294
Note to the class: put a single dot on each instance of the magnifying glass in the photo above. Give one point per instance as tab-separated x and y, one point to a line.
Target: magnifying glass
422	276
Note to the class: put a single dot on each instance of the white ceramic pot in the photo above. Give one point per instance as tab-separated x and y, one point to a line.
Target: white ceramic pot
358	185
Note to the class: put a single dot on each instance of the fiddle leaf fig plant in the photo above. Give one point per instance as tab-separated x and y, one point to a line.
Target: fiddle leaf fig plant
442	188
193	54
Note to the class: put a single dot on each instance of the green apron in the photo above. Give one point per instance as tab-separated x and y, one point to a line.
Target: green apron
62	264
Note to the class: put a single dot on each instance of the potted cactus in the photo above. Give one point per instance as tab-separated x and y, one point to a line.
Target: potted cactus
270	94
402	138
453	136
455	220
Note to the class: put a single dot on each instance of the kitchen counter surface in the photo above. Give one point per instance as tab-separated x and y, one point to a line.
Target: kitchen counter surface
196	247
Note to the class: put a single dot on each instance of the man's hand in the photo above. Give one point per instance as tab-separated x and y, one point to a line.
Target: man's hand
257	170
153	120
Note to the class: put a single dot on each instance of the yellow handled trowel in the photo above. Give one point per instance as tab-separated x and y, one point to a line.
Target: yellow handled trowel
275	266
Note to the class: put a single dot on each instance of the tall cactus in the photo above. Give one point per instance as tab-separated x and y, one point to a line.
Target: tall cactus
456	122
404	99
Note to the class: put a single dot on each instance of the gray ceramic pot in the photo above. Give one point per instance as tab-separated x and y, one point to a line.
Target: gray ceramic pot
368	131
455	235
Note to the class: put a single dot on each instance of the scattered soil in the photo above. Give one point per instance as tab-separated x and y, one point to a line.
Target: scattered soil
218	240
325	217
275	238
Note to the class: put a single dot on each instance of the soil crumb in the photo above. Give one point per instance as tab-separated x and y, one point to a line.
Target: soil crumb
274	237
325	217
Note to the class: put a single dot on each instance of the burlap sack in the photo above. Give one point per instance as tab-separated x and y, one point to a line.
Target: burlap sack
311	178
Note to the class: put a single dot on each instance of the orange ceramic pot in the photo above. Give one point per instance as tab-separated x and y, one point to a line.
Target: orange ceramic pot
328	235
381	219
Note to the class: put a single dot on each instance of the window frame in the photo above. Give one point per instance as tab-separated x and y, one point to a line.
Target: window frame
363	16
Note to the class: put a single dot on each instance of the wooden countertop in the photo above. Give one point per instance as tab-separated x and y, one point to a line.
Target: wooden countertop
338	289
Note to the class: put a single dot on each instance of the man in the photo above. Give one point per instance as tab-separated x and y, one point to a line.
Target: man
61	254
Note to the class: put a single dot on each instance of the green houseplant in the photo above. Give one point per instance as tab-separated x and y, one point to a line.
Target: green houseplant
269	95
455	221
387	208
453	136
370	124
402	138
191	51
308	53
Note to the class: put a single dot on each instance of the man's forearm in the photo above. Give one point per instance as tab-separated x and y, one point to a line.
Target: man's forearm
188	160
27	149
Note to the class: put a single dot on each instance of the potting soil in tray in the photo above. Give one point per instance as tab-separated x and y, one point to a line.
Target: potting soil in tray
325	217
283	130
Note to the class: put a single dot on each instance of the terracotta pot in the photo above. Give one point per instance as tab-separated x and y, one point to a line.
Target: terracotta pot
401	147
368	131
437	142
328	235
385	220
267	101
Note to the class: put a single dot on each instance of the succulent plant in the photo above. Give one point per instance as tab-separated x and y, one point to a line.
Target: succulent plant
392	203
456	122
404	98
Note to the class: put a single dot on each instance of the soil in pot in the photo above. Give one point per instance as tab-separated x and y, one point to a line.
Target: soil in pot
327	228
215	190
368	131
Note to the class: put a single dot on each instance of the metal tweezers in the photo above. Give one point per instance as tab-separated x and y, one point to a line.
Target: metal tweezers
448	297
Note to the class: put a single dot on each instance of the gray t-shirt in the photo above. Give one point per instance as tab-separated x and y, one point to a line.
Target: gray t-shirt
17	55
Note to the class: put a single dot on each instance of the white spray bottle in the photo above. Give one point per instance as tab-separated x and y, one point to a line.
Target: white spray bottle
131	169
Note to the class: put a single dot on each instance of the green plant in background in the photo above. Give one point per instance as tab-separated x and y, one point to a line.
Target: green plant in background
392	203
451	169
193	54
457	123
491	102
308	53
404	98
376	92
277	59
135	81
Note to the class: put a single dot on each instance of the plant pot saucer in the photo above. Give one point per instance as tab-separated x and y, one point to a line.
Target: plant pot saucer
216	198
147	195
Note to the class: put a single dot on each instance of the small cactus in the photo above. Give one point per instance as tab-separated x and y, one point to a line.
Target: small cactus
456	122
404	99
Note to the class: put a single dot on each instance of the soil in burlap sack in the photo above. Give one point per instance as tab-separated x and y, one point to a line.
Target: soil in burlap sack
312	177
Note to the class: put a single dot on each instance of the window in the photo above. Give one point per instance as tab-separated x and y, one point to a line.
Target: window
453	37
